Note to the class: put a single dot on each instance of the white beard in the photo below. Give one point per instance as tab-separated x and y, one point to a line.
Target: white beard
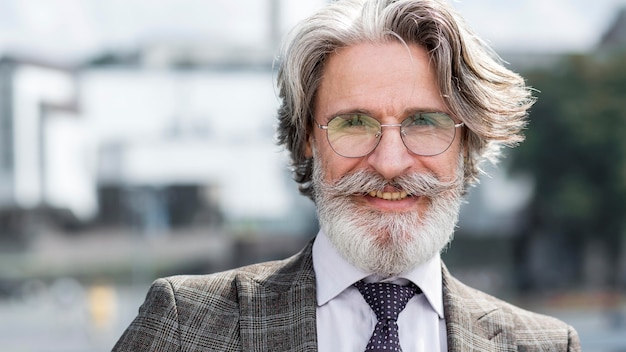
384	243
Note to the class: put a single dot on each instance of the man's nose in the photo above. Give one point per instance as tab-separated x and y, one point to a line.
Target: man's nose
391	158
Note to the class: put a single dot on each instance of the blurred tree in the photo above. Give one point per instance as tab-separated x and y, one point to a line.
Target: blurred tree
576	151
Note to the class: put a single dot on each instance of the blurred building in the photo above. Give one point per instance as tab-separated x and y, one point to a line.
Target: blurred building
177	133
171	139
125	144
46	159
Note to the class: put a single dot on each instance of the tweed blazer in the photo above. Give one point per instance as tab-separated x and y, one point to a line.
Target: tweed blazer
272	307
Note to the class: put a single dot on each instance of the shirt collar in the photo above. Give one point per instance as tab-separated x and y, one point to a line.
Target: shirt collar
334	274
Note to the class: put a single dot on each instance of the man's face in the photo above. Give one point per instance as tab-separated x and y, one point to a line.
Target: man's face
387	82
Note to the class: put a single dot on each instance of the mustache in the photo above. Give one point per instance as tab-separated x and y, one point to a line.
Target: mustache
415	184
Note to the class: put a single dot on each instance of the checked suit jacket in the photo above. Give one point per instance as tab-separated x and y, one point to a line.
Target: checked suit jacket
271	307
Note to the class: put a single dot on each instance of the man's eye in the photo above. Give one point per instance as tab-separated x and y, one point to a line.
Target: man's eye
349	121
356	120
423	121
354	123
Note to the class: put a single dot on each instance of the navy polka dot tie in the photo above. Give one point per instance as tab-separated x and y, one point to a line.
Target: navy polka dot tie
387	301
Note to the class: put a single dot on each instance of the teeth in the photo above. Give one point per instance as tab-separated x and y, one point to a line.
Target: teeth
389	195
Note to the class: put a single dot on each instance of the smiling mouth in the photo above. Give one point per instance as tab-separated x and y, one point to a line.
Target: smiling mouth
389	195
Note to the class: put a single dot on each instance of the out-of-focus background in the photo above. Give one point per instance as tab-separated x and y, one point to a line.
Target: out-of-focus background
137	141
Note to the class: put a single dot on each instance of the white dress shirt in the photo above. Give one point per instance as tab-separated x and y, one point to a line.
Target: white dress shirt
345	322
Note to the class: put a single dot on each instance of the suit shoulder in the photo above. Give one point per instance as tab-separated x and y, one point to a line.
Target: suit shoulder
485	301
479	301
532	330
525	316
202	312
225	283
535	329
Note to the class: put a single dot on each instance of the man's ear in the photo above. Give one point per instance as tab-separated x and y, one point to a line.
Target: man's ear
308	148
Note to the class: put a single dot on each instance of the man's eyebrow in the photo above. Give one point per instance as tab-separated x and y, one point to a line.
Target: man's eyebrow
349	111
411	111
405	113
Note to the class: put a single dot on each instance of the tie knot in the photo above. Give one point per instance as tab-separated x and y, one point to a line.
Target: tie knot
386	300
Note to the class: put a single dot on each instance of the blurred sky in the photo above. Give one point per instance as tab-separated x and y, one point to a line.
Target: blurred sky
71	29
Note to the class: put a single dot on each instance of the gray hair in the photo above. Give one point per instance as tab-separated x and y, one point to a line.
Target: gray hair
491	100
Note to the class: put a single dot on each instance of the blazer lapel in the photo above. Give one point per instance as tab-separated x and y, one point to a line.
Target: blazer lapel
473	322
277	306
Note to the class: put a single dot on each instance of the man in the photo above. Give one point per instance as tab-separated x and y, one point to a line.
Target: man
388	110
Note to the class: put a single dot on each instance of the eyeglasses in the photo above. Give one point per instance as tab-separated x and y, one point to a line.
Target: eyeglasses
356	135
